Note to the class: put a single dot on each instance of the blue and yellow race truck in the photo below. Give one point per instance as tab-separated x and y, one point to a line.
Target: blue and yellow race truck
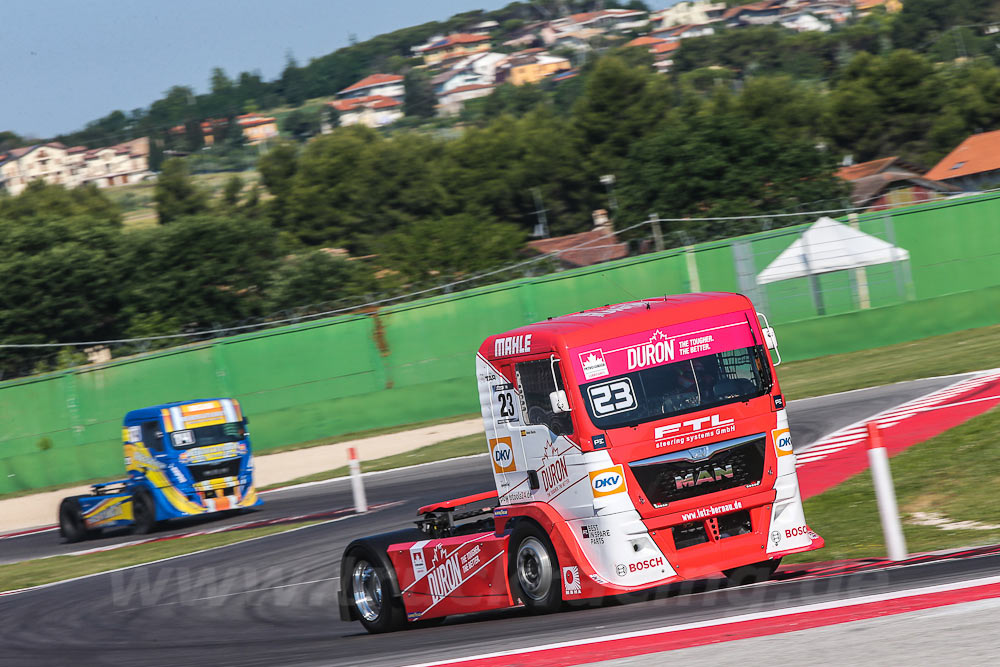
182	459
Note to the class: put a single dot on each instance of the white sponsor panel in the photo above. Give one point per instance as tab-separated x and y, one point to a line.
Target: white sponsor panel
571	580
621	539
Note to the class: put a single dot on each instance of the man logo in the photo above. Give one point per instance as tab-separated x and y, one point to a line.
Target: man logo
502	454
782	441
698	453
608	481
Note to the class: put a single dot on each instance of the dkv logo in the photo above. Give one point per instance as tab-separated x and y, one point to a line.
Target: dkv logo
782	441
502	454
608	481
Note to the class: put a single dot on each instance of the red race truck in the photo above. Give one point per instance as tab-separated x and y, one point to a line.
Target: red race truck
632	446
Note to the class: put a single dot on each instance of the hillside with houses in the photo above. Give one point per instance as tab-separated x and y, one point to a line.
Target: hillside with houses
489	146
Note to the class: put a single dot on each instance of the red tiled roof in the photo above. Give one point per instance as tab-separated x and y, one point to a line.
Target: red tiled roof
590	16
457	38
372	101
465	89
601	246
645	40
373	80
856	171
978	153
665	47
385	102
254	122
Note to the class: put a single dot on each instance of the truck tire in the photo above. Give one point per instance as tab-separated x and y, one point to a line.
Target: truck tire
143	512
534	569
752	574
369	591
71	524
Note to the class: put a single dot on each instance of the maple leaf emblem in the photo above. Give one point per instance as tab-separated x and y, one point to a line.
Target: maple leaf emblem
657	336
439	555
592	359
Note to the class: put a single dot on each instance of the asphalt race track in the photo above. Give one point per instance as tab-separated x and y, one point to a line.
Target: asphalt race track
273	600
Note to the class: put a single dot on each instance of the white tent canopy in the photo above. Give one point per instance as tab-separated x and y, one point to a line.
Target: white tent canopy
826	246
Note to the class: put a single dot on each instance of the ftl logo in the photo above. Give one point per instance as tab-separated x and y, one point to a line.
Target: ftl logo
698	424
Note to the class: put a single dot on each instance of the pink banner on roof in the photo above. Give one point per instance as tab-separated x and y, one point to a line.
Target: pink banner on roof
660	346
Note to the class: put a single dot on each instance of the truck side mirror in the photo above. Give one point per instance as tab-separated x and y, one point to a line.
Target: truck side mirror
559	401
246	421
770	339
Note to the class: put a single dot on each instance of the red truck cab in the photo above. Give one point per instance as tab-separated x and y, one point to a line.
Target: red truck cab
632	446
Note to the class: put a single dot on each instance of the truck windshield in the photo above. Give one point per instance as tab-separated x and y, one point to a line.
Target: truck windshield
208	435
675	388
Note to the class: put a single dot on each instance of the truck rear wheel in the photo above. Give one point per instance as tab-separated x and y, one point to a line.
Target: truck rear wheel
534	569
143	512
753	573
71	524
370	592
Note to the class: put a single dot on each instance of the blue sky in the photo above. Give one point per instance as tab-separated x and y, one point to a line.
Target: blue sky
67	62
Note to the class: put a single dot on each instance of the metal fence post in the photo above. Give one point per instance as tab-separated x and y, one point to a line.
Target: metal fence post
885	495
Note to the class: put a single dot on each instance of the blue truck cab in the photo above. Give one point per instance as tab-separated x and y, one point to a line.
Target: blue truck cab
182	459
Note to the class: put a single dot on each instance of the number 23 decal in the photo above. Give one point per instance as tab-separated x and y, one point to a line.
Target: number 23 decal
612	397
506	404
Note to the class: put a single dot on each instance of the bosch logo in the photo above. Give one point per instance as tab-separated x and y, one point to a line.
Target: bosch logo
621	570
503	455
608	481
795	532
648	564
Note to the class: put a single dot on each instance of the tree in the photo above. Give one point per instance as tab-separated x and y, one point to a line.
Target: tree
59	272
231	191
9	140
223	100
302	124
220	264
277	167
420	98
317	277
156	156
719	163
449	248
292	83
175	194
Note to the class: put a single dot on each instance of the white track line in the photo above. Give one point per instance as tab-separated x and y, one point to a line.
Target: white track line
164	560
727	620
935	400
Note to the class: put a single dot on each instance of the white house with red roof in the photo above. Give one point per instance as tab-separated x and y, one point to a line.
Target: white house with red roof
53	163
372	111
383	85
451	102
456	45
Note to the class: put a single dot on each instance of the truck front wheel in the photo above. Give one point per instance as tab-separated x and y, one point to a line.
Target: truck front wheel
143	512
71	524
534	575
370	591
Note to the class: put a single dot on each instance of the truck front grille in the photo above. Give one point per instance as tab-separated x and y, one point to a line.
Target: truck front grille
206	471
701	470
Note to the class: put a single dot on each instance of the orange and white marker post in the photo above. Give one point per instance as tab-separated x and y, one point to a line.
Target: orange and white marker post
357	486
885	495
